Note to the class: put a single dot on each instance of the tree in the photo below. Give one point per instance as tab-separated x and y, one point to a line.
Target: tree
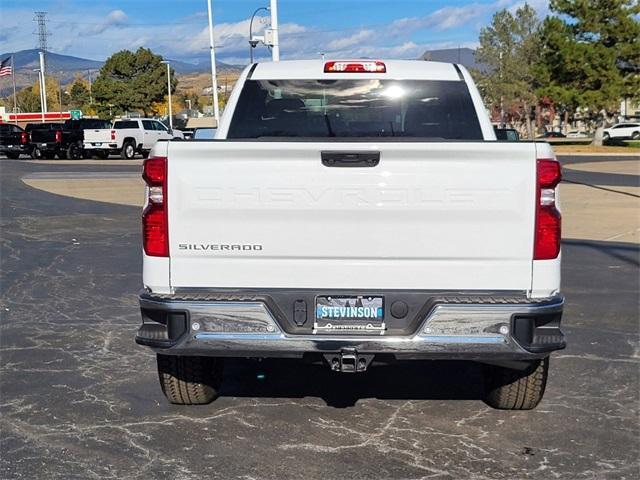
79	94
52	88
591	55
28	100
509	47
131	82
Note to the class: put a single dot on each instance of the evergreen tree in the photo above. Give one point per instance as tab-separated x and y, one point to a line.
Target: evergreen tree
591	55
131	82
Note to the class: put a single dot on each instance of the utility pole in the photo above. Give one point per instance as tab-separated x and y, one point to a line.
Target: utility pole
13	78
90	88
43	86
275	51
170	112
212	49
501	96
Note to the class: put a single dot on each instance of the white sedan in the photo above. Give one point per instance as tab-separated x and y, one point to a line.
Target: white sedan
622	131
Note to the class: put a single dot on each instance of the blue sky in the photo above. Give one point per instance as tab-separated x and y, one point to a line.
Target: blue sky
177	29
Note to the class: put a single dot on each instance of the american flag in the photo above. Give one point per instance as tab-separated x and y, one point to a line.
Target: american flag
5	67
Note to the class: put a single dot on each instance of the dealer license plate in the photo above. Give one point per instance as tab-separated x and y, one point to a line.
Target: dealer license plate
349	314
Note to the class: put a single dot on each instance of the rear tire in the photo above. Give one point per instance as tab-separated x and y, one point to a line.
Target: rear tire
36	153
128	150
74	151
635	135
510	389
190	380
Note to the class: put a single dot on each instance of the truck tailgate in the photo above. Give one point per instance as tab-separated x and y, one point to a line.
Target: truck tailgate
429	216
100	135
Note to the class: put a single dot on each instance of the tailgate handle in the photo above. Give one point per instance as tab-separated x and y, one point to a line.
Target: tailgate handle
350	159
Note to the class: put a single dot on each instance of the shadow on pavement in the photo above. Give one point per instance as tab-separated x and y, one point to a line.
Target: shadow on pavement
409	380
626	252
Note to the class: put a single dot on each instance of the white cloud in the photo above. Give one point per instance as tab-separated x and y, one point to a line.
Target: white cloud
96	33
355	39
115	18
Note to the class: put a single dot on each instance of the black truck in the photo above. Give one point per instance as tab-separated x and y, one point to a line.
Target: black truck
14	141
64	140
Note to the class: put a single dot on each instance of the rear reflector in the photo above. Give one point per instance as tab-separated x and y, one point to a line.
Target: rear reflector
155	236
58	136
24	138
355	67
113	134
155	221
548	219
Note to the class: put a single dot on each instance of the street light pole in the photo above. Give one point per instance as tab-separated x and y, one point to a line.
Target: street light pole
214	82
166	62
40	83
90	88
253	44
275	51
43	87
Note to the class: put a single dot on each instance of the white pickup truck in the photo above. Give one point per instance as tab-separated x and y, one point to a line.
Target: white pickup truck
353	213
127	137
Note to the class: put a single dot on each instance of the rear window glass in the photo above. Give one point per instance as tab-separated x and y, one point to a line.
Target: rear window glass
95	123
120	125
439	110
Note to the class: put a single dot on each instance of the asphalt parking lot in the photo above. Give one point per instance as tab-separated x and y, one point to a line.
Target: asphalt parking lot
80	400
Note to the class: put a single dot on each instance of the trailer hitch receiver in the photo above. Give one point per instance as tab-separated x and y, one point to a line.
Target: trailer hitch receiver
348	360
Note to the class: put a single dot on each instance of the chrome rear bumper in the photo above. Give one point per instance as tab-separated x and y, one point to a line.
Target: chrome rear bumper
248	328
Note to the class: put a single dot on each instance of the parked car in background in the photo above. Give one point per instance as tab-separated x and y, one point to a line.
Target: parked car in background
577	134
84	129
14	141
129	136
552	135
622	131
204	133
508	134
51	139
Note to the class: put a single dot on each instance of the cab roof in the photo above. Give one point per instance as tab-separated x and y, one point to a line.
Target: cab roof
395	69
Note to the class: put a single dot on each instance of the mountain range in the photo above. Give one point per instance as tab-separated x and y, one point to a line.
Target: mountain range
66	67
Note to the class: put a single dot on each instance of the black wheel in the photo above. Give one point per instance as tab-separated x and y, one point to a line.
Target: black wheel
635	135
102	154
605	137
128	150
510	389
36	153
190	380
74	151
13	155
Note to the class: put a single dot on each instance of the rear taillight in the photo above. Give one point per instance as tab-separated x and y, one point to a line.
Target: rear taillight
355	67
113	134
155	222
58	136
548	219
24	138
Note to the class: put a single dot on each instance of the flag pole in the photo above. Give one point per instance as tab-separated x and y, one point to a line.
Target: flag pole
13	77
